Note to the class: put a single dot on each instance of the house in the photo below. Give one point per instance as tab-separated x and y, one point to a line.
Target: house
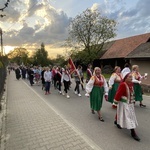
118	52
135	50
141	57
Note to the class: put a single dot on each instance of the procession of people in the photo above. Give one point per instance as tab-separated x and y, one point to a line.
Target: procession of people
122	89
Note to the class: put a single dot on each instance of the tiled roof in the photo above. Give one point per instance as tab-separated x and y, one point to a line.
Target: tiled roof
122	47
142	51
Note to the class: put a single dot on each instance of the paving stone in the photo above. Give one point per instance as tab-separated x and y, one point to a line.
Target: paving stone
32	125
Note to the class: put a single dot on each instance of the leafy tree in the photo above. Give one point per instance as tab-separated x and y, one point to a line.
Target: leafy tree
59	61
90	31
18	55
41	56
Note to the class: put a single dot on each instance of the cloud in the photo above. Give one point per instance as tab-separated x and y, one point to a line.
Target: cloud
12	12
31	22
42	23
134	21
131	20
143	8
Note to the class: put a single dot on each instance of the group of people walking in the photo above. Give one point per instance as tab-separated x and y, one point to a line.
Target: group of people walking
122	89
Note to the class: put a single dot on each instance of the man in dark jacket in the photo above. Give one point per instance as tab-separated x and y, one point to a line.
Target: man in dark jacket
31	76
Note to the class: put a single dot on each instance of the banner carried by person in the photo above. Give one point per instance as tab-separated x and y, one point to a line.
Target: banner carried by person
71	66
72	69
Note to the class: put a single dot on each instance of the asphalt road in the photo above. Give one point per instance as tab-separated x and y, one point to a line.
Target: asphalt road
106	135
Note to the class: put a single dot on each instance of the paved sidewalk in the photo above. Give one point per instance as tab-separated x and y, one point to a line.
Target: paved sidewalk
31	124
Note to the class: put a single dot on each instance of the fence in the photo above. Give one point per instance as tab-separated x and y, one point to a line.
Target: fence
2	82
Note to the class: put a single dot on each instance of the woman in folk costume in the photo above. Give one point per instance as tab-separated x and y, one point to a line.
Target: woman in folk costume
124	99
114	82
89	73
96	88
126	68
136	79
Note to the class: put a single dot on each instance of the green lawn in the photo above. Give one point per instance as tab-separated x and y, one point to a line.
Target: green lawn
107	76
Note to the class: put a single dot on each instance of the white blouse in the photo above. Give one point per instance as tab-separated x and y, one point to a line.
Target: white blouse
90	84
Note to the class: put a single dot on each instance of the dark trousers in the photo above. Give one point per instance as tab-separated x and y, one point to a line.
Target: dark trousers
55	82
59	85
31	81
82	80
77	87
47	86
66	86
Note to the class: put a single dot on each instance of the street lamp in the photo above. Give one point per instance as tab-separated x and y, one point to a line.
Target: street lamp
1	41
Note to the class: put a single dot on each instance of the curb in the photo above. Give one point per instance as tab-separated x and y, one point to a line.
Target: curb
3	118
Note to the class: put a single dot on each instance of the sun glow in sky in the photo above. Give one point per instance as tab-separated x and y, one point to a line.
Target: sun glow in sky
7	49
32	22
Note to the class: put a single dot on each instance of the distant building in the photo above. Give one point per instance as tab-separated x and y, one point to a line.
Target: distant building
120	49
135	50
141	57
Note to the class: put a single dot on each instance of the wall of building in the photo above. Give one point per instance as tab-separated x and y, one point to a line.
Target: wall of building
144	67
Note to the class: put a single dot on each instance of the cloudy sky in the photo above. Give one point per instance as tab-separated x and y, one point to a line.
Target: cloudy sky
28	23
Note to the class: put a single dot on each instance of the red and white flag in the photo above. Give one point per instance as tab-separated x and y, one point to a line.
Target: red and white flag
71	65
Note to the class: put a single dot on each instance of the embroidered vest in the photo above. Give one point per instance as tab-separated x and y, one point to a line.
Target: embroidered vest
99	81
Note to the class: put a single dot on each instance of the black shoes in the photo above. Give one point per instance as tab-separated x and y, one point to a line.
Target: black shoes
92	111
142	105
118	126
135	137
101	119
133	134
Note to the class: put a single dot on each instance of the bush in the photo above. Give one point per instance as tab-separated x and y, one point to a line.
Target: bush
1	65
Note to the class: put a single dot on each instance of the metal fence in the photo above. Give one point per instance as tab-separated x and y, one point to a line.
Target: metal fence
2	82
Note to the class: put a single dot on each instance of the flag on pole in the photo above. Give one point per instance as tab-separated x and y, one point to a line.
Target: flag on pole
73	69
71	66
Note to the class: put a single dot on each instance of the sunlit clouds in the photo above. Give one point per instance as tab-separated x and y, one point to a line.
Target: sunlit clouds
28	23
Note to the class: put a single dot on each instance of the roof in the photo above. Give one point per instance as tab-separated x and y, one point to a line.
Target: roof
142	51
122	47
108	45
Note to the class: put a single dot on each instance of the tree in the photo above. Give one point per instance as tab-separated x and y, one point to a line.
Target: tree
59	61
89	31
18	55
41	56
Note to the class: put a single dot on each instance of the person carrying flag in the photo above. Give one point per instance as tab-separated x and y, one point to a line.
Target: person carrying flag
66	80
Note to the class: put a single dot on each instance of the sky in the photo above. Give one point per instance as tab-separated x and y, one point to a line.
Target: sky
28	23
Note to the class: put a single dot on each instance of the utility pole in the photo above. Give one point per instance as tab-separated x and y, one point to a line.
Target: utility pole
1	35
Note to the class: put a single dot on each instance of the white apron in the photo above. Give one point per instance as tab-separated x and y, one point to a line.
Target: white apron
126	117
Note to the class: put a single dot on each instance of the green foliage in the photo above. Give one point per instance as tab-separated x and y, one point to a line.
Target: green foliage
59	61
19	56
40	57
107	76
1	64
89	31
